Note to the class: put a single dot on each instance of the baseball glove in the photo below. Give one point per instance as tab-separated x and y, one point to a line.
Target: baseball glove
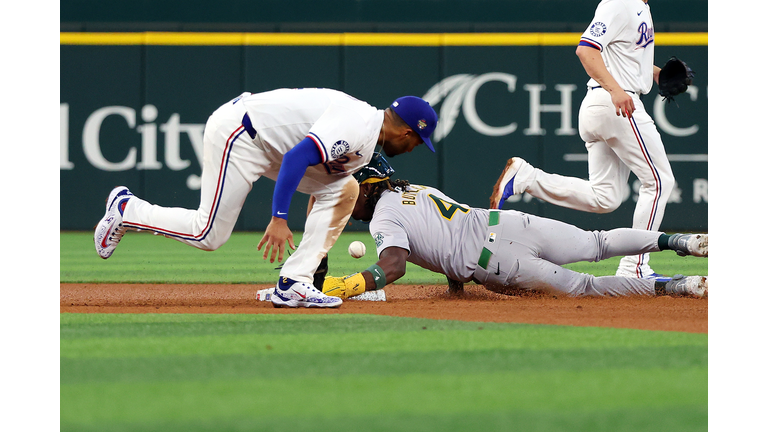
344	287
674	78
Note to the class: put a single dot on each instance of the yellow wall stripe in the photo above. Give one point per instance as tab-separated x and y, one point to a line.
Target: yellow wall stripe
353	39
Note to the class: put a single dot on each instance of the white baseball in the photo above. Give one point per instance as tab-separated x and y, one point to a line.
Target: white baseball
356	249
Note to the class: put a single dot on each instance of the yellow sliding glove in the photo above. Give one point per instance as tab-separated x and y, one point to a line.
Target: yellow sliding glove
344	287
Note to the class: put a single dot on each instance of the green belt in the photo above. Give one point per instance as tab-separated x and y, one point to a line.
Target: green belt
485	255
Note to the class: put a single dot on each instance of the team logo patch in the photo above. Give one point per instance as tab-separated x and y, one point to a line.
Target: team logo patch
598	29
379	239
339	149
422	124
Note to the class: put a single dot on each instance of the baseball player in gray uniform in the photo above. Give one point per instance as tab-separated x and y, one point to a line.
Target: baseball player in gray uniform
307	140
617	52
501	250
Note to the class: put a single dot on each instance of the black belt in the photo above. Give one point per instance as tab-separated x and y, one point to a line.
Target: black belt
249	126
597	87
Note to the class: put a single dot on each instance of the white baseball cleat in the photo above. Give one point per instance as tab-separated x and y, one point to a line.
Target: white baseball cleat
290	293
110	229
690	244
514	180
696	286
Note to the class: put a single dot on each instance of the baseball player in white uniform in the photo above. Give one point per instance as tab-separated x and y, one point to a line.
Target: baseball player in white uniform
616	51
502	250
307	140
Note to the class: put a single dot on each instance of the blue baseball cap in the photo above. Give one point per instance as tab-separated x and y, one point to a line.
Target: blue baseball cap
418	114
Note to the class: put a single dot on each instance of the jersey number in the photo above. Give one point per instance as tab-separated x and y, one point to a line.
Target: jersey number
447	209
337	165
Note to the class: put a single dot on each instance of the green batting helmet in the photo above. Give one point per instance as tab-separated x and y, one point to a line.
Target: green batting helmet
378	169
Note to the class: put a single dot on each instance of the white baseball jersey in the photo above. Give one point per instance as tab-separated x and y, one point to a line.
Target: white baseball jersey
245	139
344	129
623	32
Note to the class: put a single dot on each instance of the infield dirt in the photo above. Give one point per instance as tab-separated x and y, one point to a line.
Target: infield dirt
420	301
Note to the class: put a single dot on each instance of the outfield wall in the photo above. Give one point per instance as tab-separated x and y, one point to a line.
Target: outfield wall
431	16
133	107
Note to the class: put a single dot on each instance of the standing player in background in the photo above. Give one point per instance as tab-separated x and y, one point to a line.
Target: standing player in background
310	140
616	51
501	250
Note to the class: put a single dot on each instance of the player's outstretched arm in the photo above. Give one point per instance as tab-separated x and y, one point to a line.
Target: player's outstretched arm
292	169
389	268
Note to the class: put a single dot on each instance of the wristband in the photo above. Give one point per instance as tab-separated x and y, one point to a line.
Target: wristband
378	276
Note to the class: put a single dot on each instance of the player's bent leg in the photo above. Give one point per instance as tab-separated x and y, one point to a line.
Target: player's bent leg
563	243
639	146
603	192
325	222
541	275
196	228
231	165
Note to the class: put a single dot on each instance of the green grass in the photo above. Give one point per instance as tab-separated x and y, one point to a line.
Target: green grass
225	372
145	258
168	372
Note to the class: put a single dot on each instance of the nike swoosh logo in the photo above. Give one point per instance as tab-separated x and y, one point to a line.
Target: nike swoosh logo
497	269
639	13
300	294
104	240
281	213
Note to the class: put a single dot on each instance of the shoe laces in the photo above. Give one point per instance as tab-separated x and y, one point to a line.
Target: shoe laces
312	289
117	233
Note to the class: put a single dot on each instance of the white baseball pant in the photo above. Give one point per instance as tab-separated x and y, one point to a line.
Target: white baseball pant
616	146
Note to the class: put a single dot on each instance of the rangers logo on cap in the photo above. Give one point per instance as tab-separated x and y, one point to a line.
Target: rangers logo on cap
422	124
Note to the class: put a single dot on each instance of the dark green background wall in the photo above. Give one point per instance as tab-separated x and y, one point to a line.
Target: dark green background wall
160	95
360	15
164	94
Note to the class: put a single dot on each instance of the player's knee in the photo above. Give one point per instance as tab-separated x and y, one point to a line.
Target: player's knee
211	243
607	206
607	202
607	197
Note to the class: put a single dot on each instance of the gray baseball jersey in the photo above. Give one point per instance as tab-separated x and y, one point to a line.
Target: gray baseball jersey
503	249
440	234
